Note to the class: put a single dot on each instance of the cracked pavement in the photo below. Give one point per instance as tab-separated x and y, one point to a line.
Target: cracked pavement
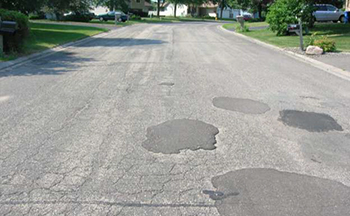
72	124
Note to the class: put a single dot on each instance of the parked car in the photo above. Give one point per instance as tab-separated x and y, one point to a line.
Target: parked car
111	16
327	12
247	16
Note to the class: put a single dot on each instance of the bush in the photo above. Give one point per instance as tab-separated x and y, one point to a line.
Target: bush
326	44
135	17
14	43
244	29
37	16
284	12
78	17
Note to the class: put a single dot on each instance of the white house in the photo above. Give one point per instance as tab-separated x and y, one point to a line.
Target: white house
167	9
229	13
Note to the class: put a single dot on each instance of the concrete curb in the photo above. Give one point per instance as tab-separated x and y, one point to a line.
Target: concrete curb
320	65
51	51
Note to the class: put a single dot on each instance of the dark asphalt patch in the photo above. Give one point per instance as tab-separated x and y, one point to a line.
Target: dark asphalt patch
172	136
167	83
241	105
266	192
310	121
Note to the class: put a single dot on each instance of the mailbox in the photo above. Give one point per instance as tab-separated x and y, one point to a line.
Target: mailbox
8	27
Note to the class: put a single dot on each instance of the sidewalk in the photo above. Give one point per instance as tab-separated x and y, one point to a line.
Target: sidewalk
337	59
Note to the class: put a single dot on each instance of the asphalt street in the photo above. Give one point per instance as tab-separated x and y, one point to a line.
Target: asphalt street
173	119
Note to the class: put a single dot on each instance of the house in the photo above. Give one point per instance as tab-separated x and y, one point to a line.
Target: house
167	9
139	6
229	13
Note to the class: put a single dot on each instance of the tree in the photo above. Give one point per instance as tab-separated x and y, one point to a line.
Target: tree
113	4
24	6
253	5
222	5
284	12
176	3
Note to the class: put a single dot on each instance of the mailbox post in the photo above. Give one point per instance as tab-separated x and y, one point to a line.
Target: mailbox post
117	17
240	19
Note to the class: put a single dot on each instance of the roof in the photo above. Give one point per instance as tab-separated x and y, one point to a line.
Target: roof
209	5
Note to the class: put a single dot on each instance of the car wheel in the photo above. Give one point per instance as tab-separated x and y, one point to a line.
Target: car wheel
101	19
342	19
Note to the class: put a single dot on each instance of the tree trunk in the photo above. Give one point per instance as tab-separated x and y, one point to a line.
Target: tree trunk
158	14
175	9
347	6
260	9
221	11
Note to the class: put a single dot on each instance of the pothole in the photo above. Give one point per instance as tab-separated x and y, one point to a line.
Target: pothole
167	83
241	105
310	121
173	136
266	192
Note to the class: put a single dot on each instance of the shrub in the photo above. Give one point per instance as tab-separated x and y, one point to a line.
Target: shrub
78	17
328	45
14	43
135	17
36	16
284	12
244	29
325	43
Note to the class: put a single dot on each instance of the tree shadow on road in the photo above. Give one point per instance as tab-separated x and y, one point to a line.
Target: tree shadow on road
54	64
120	42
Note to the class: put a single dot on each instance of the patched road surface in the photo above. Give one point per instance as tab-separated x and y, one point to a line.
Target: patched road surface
173	119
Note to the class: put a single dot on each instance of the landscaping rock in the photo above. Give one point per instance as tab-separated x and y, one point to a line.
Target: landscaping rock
314	50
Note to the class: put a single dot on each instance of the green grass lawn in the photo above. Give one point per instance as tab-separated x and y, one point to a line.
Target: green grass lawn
249	24
339	32
44	36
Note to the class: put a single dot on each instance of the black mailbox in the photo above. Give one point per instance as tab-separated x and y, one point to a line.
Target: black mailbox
8	27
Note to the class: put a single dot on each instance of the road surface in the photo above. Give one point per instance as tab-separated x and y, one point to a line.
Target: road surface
173	119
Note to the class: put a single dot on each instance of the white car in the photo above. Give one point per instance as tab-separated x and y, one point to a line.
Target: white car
327	12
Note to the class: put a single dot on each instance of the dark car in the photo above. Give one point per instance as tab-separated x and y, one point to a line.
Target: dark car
111	16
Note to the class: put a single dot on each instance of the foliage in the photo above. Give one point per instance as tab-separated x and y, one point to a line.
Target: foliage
113	4
284	12
135	17
328	45
37	16
14	43
24	6
254	6
78	17
245	28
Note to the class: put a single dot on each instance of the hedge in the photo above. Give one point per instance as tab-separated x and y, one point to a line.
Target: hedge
14	43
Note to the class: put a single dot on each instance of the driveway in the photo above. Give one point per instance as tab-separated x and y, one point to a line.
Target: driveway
173	119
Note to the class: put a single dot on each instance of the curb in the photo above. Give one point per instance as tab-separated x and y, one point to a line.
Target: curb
344	74
51	51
